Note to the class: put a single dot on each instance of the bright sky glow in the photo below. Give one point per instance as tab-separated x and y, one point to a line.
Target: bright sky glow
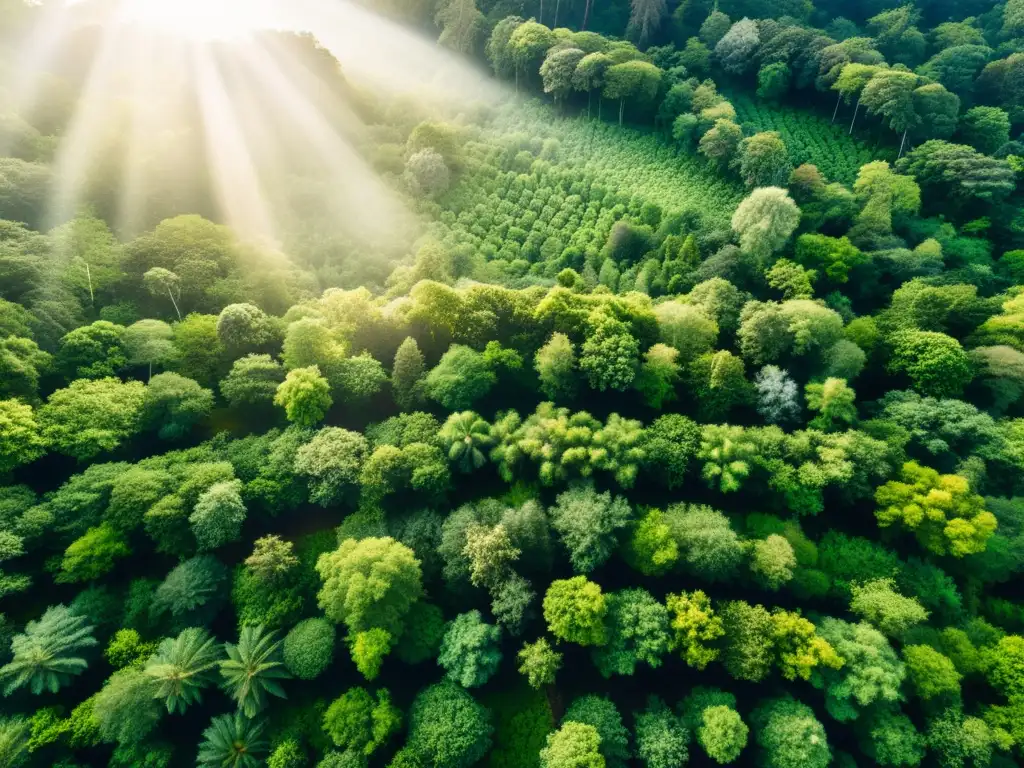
200	19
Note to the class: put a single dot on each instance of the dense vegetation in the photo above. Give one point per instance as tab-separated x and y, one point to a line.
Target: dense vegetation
686	425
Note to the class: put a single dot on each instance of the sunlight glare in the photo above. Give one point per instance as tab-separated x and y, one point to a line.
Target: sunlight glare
200	19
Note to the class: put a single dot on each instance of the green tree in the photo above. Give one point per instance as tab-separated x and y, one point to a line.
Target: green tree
722	733
309	648
941	510
833	399
149	343
361	722
772	561
93	555
959	171
637	80
661	738
878	602
539	662
556	365
20	441
588	524
369	583
252	669
574	745
637	627
448	727
465	437
125	709
609	355
90	417
199	352
932	674
232	741
651	548
600	713
470	651
935	363
182	667
305	396
173	404
93	351
721	142
22	363
749	640
985	128
558	70
218	515
160	281
708	546
658	374
252	380
45	655
763	160
332	463
368	650
872	674
460	378
890	94
695	629
192	592
244	328
765	220
271	559
575	610
789	735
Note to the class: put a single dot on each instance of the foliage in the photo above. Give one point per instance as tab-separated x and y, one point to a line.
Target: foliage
252	669
575	610
308	648
574	745
470	651
448	727
358	721
45	654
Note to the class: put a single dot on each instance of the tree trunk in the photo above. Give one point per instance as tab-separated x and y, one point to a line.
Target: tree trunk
557	3
586	15
540	16
590	98
176	310
854	120
150	377
600	101
903	141
622	108
517	78
836	110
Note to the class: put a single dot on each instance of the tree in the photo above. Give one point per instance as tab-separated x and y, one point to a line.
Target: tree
671	441
588	523
609	355
789	735
305	396
159	281
271	559
722	733
637	632
749	640
539	662
835	257
461	24
720	383
872	674
448	727
958	170
600	713
574	745
368	650
889	738
309	648
575	610
890	94
735	50
765	220
45	654
714	28
957	67
199	353
763	160
369	583
555	363
192	592
721	142
637	80
499	49
93	351
181	667
936	363
490	553
833	399
777	396
173	405
695	628
426	172
773	81
125	709
460	378
960	742
147	342
20	441
232	741
660	736
407	374
799	649
558	70
528	44
332	461
244	328
708	546
93	555
21	365
589	76
252	380
880	604
772	561
941	510
14	741
360	722
253	668
470	651
465	436
218	515
658	375
651	548
90	417
932	674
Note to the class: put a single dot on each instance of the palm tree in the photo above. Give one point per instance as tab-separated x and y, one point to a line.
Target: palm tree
252	669
466	436
182	667
44	654
14	736
232	741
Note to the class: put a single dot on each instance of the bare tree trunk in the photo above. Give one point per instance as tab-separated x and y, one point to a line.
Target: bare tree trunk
854	120
586	14
540	16
590	98
600	101
836	110
622	108
557	3
903	141
176	310
150	377
517	78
